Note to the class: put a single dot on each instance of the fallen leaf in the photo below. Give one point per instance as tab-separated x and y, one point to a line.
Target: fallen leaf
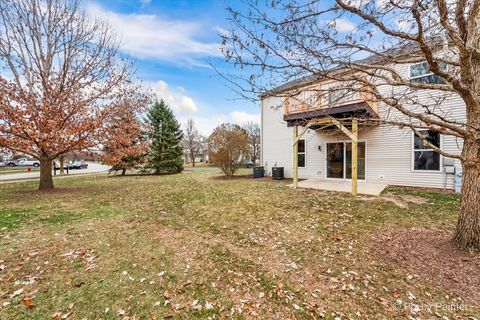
166	295
27	302
208	305
16	293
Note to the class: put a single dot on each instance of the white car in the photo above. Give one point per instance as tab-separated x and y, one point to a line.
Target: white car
28	163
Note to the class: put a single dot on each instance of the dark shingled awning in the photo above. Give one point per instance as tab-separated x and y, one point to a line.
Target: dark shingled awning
360	110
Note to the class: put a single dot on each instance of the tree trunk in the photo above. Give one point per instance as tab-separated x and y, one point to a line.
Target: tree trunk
123	171
62	162
467	233
46	179
193	160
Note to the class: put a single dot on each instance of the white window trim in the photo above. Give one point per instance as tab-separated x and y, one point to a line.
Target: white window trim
305	153
440	160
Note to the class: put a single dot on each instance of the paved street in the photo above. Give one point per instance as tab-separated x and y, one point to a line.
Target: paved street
92	168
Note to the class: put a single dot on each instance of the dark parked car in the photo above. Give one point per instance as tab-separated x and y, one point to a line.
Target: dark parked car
78	165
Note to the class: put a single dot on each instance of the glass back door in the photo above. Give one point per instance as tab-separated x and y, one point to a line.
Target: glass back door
339	160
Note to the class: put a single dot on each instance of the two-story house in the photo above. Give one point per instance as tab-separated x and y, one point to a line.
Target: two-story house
387	154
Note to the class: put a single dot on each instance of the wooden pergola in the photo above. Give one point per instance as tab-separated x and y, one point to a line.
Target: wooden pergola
325	121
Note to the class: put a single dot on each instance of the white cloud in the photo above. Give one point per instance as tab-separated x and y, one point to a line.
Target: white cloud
240	117
206	124
222	31
342	25
176	99
185	107
149	36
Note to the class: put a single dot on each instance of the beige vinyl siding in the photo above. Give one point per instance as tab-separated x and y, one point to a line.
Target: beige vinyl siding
389	149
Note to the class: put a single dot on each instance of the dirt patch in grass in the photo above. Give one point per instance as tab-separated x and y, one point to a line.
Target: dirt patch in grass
234	177
429	254
401	201
420	189
414	199
250	177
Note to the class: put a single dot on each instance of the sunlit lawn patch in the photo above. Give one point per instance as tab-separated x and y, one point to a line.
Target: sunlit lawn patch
193	246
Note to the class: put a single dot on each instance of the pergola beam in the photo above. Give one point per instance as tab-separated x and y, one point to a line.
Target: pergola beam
353	135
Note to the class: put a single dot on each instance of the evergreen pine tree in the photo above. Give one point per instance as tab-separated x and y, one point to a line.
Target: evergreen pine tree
166	152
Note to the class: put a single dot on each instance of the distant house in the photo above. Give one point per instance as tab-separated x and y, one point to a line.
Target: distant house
386	154
201	157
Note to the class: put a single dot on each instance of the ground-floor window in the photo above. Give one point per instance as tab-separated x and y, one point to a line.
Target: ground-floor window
424	157
339	160
301	153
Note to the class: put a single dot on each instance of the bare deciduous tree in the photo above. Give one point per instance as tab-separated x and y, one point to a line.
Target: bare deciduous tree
253	133
366	46
65	73
192	141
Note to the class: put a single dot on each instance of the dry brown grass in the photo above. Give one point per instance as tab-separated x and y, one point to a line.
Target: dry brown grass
189	246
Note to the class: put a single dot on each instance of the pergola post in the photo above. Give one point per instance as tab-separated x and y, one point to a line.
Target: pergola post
354	156
353	135
295	157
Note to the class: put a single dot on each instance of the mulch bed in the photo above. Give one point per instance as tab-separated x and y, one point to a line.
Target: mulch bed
429	254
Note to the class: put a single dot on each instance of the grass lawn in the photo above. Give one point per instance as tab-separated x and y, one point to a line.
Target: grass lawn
198	165
10	170
196	246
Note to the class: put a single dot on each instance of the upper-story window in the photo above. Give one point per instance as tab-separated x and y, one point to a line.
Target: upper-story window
421	73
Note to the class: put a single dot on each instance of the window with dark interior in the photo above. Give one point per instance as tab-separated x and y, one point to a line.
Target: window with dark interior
421	73
301	153
424	156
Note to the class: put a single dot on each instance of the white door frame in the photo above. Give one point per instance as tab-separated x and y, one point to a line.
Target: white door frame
344	158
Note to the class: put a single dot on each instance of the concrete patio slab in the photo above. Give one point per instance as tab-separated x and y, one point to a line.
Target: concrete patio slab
368	188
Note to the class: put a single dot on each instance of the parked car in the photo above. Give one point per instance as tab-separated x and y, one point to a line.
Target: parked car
14	163
250	164
2	164
78	165
10	163
24	162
